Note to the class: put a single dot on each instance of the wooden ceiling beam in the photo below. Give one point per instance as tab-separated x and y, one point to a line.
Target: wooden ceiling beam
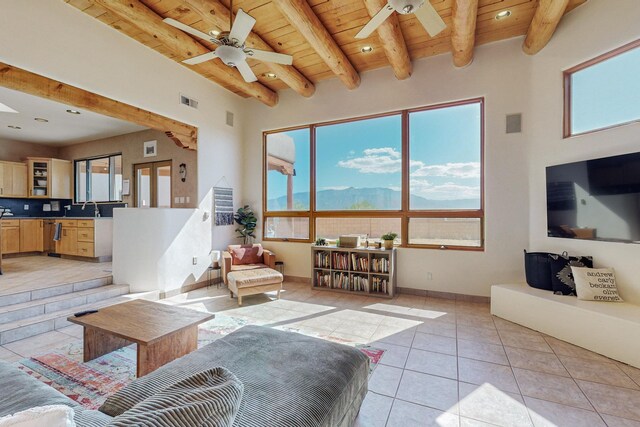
544	24
463	32
392	40
140	16
302	18
215	14
15	78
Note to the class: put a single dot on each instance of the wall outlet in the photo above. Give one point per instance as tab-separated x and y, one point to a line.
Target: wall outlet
429	276
176	200
188	199
26	207
195	260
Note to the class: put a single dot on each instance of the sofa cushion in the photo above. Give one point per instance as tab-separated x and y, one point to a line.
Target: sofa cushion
256	277
290	380
246	254
210	398
39	416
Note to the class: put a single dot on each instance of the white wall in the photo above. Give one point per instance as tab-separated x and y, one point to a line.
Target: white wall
59	41
592	29
499	73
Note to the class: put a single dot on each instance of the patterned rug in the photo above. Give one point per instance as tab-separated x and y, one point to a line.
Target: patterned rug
91	383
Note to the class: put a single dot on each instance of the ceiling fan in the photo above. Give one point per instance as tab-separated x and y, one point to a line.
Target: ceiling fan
424	11
231	46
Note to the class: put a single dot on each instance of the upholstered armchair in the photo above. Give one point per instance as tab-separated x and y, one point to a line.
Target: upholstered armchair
246	257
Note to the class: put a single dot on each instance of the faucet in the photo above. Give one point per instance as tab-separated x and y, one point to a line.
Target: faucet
96	212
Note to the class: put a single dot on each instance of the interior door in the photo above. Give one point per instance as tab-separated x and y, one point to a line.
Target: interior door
153	185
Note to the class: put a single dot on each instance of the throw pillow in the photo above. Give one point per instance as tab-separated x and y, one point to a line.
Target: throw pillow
210	398
50	416
561	275
248	254
596	284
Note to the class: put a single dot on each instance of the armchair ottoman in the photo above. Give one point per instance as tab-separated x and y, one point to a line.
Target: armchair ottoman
249	270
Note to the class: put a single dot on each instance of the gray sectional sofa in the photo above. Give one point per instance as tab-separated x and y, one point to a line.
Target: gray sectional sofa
290	380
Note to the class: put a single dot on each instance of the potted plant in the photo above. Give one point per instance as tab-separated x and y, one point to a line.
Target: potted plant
321	242
387	239
248	222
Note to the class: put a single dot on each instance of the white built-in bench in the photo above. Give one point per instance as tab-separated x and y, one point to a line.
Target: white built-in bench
611	329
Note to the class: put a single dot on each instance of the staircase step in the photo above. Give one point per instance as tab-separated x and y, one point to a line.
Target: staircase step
26	328
15	312
55	290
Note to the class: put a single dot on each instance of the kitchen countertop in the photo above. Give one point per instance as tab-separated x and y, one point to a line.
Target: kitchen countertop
57	217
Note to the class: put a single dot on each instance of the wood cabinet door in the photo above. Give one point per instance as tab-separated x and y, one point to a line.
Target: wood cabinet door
19	180
31	235
68	243
10	240
5	179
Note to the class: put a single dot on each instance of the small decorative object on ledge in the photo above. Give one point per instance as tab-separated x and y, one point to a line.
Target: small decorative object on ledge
349	241
360	271
321	242
387	239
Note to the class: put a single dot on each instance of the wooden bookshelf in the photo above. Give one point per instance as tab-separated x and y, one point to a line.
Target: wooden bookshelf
359	271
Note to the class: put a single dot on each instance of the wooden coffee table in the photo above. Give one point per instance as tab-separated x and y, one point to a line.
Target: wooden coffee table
162	332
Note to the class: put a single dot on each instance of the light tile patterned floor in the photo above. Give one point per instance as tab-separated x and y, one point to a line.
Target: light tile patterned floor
28	273
447	363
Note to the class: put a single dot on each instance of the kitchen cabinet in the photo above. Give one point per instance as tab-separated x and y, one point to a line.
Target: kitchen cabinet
13	179
31	235
68	243
49	178
10	230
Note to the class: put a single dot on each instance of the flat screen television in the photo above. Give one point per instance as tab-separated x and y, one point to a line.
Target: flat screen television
596	199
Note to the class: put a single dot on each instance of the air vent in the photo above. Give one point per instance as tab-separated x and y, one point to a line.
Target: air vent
189	102
229	118
514	123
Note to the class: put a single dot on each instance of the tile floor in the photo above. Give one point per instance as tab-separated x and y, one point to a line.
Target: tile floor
446	363
28	273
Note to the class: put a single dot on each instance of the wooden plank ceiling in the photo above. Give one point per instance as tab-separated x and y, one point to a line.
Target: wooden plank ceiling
319	34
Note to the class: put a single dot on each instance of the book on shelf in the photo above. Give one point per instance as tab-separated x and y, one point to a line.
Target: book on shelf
379	284
359	263
323	280
359	283
322	260
380	265
340	281
340	261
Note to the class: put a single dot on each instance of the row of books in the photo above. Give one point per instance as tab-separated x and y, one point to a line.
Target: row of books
380	265
322	260
340	261
359	283
341	281
359	263
379	284
323	280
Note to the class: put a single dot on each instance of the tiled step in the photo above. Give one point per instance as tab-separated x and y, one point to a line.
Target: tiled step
25	310
52	291
26	328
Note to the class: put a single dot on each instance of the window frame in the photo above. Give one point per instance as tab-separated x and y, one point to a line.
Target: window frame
404	213
567	74
88	178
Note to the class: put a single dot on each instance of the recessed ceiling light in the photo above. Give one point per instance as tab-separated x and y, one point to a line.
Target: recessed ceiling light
14	127
271	75
73	111
6	109
41	120
366	49
503	14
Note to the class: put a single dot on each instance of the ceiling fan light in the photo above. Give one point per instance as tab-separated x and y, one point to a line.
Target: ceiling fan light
366	49
271	75
215	33
503	14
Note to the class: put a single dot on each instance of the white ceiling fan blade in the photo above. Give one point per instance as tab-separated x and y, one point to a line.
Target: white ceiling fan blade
187	29
246	72
242	26
375	22
263	55
430	19
200	58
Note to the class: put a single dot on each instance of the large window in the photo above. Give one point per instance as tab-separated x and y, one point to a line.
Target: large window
99	179
603	92
416	172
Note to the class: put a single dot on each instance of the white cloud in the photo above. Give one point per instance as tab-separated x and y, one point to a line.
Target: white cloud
453	170
375	160
446	191
337	187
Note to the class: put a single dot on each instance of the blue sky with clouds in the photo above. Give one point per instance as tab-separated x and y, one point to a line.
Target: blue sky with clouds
444	148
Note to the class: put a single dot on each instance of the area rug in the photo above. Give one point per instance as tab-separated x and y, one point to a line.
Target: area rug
91	383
